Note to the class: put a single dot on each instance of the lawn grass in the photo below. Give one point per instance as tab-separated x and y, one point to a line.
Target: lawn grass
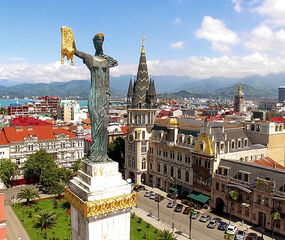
151	232
62	228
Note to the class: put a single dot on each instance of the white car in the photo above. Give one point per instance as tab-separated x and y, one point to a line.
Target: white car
232	229
152	196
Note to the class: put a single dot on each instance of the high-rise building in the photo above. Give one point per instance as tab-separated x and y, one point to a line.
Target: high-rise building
141	113
281	94
239	100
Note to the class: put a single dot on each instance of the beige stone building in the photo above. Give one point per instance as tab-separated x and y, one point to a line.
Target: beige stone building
270	134
260	188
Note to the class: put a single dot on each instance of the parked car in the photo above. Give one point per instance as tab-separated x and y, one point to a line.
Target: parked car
195	215
171	204
240	235
212	224
186	210
205	218
232	229
152	196
159	198
147	194
222	226
178	208
251	236
141	188
217	219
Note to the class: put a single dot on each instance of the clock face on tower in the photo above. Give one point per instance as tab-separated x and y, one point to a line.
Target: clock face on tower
131	137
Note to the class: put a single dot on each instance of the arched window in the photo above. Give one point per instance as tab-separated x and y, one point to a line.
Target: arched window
165	169
187	176
158	167
143	163
179	173
171	172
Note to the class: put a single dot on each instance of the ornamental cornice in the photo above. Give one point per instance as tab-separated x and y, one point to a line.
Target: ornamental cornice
103	206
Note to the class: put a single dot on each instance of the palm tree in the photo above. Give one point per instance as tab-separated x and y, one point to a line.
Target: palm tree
46	219
58	190
29	194
275	217
233	195
166	235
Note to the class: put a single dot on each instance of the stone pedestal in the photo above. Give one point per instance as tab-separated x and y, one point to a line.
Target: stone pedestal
100	203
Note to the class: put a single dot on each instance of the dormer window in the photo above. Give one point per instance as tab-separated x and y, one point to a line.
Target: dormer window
245	142
202	144
239	143
233	144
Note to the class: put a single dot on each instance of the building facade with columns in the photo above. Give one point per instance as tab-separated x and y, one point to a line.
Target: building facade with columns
141	114
184	153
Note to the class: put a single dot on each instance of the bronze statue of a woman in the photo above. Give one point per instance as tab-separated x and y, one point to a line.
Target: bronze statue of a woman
99	95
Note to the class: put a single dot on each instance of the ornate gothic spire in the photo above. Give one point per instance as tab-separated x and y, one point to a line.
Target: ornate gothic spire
142	83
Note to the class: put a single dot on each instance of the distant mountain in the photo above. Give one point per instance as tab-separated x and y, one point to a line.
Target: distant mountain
266	86
250	92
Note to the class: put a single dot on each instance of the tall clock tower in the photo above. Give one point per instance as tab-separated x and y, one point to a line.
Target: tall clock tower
141	114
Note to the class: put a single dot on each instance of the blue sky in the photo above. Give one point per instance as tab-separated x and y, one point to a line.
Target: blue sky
197	38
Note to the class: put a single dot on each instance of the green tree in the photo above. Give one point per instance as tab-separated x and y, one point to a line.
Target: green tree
7	170
46	219
58	190
116	151
233	196
48	180
275	217
3	110
77	165
228	236
166	235
64	174
28	194
37	163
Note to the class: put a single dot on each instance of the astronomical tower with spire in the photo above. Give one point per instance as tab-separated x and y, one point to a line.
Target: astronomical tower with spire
141	100
239	100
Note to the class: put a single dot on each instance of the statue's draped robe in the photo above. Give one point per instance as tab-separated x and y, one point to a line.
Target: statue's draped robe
98	106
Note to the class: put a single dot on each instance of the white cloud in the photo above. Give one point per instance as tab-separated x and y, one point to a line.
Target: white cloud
264	39
274	10
177	20
215	31
198	67
177	45
16	59
237	4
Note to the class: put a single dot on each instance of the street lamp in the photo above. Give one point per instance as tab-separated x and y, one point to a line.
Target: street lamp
158	200
173	221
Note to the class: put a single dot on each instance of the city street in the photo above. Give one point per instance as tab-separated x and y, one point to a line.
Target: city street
181	221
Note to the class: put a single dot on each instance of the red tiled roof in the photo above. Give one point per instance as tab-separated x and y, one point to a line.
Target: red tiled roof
88	138
3	140
18	134
124	129
277	119
267	161
28	121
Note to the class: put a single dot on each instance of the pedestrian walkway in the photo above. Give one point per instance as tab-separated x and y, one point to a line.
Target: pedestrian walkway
157	224
15	229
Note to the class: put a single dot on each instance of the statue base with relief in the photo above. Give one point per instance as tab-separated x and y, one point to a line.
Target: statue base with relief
100	203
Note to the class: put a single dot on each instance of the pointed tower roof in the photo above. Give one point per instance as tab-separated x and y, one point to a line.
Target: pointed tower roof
130	91
239	89
153	88
142	83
